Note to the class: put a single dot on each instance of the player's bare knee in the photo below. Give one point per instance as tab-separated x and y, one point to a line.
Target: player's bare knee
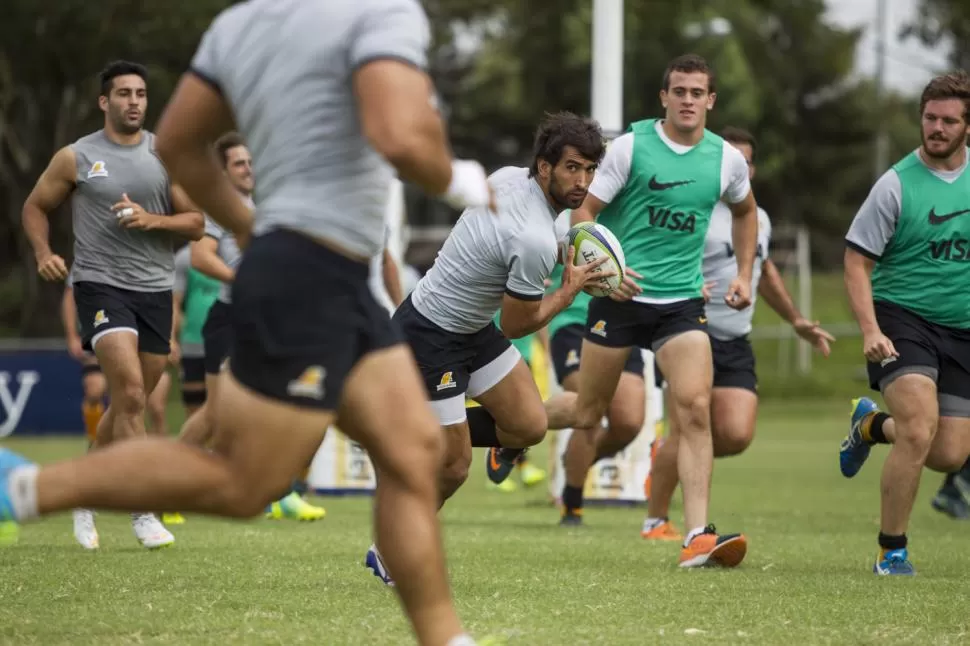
453	474
695	413
626	422
530	429
590	415
946	459
915	436
131	399
732	440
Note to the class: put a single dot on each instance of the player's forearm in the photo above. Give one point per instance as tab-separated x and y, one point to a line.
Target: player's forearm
580	215
421	156
37	229
208	187
190	224
392	281
772	289
177	320
858	285
69	319
549	307
744	235
210	264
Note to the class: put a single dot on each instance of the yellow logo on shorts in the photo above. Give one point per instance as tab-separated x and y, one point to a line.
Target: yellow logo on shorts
447	381
702	319
572	359
97	170
100	318
308	384
599	328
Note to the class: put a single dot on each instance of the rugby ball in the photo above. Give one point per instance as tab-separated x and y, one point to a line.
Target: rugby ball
592	242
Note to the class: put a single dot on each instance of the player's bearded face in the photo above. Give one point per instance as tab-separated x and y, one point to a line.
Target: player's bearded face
126	103
569	180
944	127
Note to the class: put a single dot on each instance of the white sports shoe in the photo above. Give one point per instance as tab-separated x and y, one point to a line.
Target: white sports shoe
150	532
85	533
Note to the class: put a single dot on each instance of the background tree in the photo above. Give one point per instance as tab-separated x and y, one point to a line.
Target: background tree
498	65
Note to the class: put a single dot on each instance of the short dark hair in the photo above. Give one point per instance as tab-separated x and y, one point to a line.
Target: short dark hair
689	64
556	131
227	142
955	85
735	135
120	68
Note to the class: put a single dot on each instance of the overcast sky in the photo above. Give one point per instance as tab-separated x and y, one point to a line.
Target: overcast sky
909	65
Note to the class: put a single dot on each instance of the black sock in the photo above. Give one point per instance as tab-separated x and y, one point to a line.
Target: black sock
964	471
875	430
572	498
948	483
481	427
888	542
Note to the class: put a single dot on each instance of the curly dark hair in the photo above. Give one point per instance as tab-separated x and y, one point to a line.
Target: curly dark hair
556	131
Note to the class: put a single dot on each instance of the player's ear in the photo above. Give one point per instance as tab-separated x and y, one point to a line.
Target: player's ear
545	168
711	98
663	98
103	103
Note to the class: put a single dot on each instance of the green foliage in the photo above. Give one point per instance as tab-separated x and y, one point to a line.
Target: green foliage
783	72
944	22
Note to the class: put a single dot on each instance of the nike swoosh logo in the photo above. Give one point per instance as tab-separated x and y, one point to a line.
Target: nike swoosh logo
940	219
492	462
663	186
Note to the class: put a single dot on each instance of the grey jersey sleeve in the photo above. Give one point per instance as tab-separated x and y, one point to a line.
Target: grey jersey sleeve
205	63
874	224
529	266
396	29
183	260
213	229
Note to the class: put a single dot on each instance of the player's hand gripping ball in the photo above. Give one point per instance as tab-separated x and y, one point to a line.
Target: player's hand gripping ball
594	241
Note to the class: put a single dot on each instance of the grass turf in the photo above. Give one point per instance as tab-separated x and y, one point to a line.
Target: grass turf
515	573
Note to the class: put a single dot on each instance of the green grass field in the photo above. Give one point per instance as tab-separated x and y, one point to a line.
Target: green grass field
515	573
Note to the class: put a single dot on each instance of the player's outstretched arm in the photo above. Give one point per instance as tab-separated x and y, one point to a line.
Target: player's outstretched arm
397	115
54	186
772	289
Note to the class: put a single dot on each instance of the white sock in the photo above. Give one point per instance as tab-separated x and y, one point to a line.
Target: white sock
653	523
22	489
697	531
461	640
